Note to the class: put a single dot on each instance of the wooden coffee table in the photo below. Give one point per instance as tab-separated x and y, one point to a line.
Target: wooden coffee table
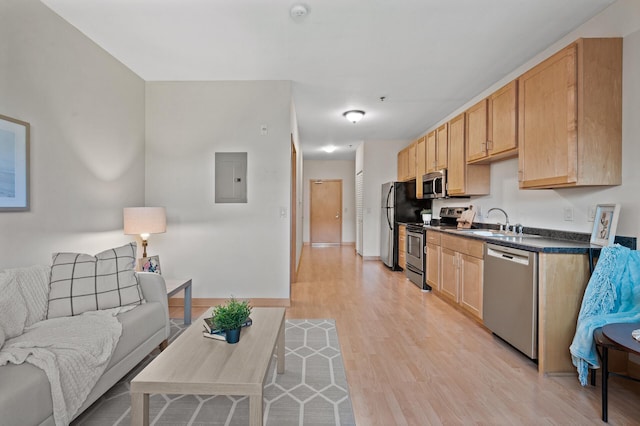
193	364
176	286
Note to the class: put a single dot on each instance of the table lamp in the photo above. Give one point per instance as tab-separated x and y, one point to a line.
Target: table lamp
144	221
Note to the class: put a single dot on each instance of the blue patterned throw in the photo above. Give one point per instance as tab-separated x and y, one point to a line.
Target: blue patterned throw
612	296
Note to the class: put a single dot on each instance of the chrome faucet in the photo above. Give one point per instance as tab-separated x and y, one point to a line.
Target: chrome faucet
506	217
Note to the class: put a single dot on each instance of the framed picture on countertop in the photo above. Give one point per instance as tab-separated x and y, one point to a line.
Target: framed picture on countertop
604	224
150	264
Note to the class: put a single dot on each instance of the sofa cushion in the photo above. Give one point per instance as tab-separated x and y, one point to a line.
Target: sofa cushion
13	310
21	385
81	282
25	395
138	325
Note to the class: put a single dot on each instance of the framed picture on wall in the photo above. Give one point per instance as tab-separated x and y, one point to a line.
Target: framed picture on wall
14	164
604	224
150	264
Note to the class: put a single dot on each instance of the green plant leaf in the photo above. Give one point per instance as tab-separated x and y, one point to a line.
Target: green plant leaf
232	314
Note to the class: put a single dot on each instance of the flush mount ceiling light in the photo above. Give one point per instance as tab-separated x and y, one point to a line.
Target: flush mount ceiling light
298	11
354	115
329	148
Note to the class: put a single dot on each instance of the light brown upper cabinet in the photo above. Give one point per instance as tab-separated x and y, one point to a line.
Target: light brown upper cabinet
569	117
431	151
437	148
463	178
477	119
421	163
457	163
407	163
503	122
492	126
403	164
442	144
412	161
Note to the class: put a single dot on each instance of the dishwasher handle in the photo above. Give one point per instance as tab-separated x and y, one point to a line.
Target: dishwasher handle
522	259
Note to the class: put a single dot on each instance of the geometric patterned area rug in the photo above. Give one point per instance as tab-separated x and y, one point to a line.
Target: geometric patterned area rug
312	391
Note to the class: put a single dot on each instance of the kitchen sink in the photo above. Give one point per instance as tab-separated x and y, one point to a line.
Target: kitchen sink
495	234
483	232
488	233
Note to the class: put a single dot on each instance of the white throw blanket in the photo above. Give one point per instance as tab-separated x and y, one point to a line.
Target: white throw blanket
72	351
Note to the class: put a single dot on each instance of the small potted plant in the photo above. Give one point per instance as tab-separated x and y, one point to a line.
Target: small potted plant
426	216
230	317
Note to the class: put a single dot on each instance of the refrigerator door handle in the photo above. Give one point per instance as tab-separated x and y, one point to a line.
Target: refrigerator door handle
387	204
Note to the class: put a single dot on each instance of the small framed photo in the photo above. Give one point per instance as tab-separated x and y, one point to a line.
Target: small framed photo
604	224
150	264
14	164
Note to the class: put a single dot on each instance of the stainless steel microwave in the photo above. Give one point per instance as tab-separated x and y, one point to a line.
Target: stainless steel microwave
434	185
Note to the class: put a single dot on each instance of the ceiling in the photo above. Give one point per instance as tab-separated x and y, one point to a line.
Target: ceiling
425	57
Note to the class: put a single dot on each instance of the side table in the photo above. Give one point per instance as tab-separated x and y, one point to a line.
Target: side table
174	286
620	339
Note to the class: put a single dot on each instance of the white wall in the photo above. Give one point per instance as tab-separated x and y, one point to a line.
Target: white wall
333	170
379	165
295	135
228	249
86	112
545	208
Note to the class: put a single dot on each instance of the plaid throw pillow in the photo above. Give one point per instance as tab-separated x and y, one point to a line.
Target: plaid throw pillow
81	283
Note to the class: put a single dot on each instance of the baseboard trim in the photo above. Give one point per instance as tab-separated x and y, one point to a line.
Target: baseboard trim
207	302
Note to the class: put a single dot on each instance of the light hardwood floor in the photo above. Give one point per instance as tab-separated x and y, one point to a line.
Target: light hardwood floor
412	359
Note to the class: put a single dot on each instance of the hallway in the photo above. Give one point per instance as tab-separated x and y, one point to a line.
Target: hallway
412	359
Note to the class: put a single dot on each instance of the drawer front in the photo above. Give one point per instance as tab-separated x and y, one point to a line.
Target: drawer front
433	237
463	245
474	248
452	243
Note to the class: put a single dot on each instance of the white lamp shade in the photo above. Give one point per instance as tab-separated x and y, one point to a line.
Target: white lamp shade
354	115
144	220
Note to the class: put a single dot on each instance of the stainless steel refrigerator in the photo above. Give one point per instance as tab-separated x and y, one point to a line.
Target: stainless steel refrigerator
399	204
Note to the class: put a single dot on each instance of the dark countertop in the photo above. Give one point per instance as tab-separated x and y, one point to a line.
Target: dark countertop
537	240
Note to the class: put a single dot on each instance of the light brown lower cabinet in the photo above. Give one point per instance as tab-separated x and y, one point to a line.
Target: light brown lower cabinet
471	280
449	274
562	280
402	255
461	272
433	260
455	269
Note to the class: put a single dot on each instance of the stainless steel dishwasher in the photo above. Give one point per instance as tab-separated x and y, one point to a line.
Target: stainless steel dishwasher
510	296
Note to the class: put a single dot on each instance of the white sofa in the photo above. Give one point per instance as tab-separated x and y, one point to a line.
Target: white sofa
25	391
